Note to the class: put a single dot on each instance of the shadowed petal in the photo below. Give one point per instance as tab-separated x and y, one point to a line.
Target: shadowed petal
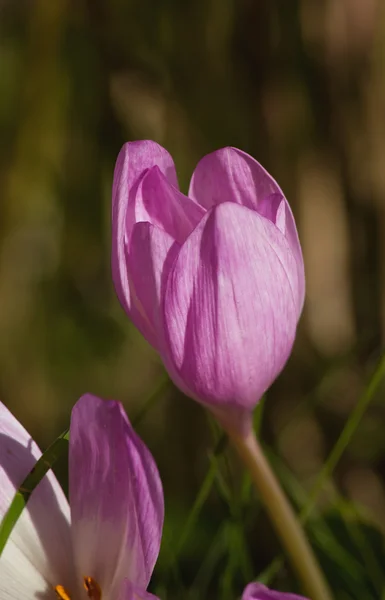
230	175
162	204
129	591
150	256
115	495
134	159
257	591
230	314
40	541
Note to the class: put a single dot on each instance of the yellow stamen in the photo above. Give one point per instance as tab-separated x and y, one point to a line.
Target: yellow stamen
92	588
62	593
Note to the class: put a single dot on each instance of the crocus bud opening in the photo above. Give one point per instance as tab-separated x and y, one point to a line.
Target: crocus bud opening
213	280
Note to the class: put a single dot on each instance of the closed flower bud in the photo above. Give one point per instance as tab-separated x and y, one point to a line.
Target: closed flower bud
213	280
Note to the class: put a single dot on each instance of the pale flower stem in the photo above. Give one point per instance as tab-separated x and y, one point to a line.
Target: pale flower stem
282	516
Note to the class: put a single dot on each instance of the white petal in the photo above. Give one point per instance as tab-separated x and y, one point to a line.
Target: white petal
42	532
19	580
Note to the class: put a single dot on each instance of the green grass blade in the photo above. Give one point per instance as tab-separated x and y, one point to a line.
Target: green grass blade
201	497
208	566
354	527
345	437
45	462
334	457
214	476
160	388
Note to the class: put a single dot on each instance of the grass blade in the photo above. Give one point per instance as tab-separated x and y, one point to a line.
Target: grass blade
334	457
160	388
345	437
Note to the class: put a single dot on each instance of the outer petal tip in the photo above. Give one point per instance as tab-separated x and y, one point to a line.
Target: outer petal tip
257	591
231	175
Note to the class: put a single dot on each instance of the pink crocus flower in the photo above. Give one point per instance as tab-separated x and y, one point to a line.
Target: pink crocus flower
103	544
213	280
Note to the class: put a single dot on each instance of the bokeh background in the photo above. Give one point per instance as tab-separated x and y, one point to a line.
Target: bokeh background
298	84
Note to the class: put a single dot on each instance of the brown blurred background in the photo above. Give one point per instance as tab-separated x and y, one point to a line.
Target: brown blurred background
298	84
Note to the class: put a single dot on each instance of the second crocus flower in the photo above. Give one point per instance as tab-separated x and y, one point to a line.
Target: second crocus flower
213	280
104	544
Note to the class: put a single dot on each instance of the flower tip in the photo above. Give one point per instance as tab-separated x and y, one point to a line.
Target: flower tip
258	591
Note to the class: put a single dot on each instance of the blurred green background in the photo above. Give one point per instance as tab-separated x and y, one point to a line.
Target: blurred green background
298	84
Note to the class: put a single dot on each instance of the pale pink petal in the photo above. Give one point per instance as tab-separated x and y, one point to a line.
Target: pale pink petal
229	312
230	175
129	591
149	258
257	591
162	204
115	495
41	535
134	159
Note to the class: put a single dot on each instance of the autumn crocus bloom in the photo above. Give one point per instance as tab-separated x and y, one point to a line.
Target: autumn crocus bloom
104	544
213	280
257	591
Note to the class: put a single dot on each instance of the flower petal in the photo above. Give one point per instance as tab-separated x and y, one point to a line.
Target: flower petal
257	591
18	577
162	204
115	495
134	159
149	258
276	208
40	543
129	591
229	310
230	175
